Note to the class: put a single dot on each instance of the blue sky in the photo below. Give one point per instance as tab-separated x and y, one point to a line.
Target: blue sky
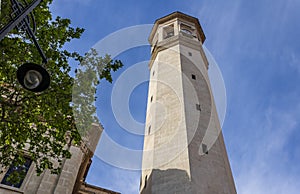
256	45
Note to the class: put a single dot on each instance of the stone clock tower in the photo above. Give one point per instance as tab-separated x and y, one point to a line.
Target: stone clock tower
184	150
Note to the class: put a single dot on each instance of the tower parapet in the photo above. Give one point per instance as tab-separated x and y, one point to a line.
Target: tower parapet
174	29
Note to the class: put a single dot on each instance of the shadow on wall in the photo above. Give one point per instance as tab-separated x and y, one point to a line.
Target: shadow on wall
167	181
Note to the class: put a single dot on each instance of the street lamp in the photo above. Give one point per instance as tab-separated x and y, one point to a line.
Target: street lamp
31	76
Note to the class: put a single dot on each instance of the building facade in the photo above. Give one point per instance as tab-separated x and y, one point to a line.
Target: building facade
184	150
70	181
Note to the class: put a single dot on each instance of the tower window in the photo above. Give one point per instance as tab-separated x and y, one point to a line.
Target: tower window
153	73
193	76
19	173
204	148
149	129
187	30
145	181
198	107
151	98
168	31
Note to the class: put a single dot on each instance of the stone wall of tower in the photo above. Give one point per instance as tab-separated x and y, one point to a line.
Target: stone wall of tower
182	115
210	173
167	149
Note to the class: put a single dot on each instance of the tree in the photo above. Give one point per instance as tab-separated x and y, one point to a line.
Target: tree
38	122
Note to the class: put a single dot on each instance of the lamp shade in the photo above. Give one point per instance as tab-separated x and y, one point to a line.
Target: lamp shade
33	77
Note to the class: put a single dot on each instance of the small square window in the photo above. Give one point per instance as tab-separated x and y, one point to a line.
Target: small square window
198	107
190	54
193	76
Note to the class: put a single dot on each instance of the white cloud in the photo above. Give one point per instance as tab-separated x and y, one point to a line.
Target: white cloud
119	180
293	61
126	184
268	168
221	23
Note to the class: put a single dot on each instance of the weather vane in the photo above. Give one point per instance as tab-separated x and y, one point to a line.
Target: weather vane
31	76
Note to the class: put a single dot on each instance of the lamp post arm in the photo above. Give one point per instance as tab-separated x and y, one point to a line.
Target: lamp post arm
29	31
7	28
32	36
